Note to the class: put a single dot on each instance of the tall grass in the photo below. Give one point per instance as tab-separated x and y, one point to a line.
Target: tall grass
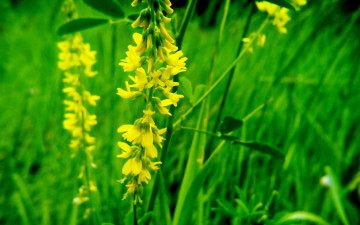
299	93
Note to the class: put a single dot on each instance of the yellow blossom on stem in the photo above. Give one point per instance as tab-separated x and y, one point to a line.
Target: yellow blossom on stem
154	59
76	61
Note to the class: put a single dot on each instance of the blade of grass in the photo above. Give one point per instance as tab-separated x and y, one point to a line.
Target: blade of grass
291	218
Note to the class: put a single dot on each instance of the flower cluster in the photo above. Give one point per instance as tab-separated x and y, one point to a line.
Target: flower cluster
154	60
76	61
279	18
279	14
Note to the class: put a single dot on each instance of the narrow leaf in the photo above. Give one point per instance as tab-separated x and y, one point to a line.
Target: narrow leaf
186	87
145	218
296	217
262	147
229	124
80	24
108	7
199	91
336	191
282	3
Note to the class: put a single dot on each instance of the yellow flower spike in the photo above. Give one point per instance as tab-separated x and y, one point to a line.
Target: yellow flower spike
76	60
158	47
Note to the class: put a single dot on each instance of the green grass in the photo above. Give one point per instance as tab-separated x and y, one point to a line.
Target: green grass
311	74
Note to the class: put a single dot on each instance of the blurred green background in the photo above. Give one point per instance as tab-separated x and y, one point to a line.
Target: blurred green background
311	74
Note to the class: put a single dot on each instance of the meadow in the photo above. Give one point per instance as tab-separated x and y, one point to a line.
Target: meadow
267	131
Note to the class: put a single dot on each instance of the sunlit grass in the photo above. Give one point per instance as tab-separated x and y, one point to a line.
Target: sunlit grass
310	75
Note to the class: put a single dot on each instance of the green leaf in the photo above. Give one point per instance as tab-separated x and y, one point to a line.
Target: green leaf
145	218
282	3
262	147
80	24
335	189
133	16
186	87
199	91
108	7
229	124
194	176
296	217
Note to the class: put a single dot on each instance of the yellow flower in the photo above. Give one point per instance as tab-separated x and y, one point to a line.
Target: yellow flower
299	2
127	150
133	166
154	47
148	116
144	176
140	79
128	93
140	47
131	62
261	40
173	98
176	62
91	98
279	14
280	20
155	79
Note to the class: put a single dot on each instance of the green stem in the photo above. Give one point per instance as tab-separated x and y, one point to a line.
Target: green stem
189	11
134	209
208	149
200	131
222	76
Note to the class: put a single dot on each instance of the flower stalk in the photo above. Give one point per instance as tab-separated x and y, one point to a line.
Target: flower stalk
76	61
155	60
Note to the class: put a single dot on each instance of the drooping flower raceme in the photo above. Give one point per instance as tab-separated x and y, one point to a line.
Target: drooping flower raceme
76	61
152	63
279	14
279	18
